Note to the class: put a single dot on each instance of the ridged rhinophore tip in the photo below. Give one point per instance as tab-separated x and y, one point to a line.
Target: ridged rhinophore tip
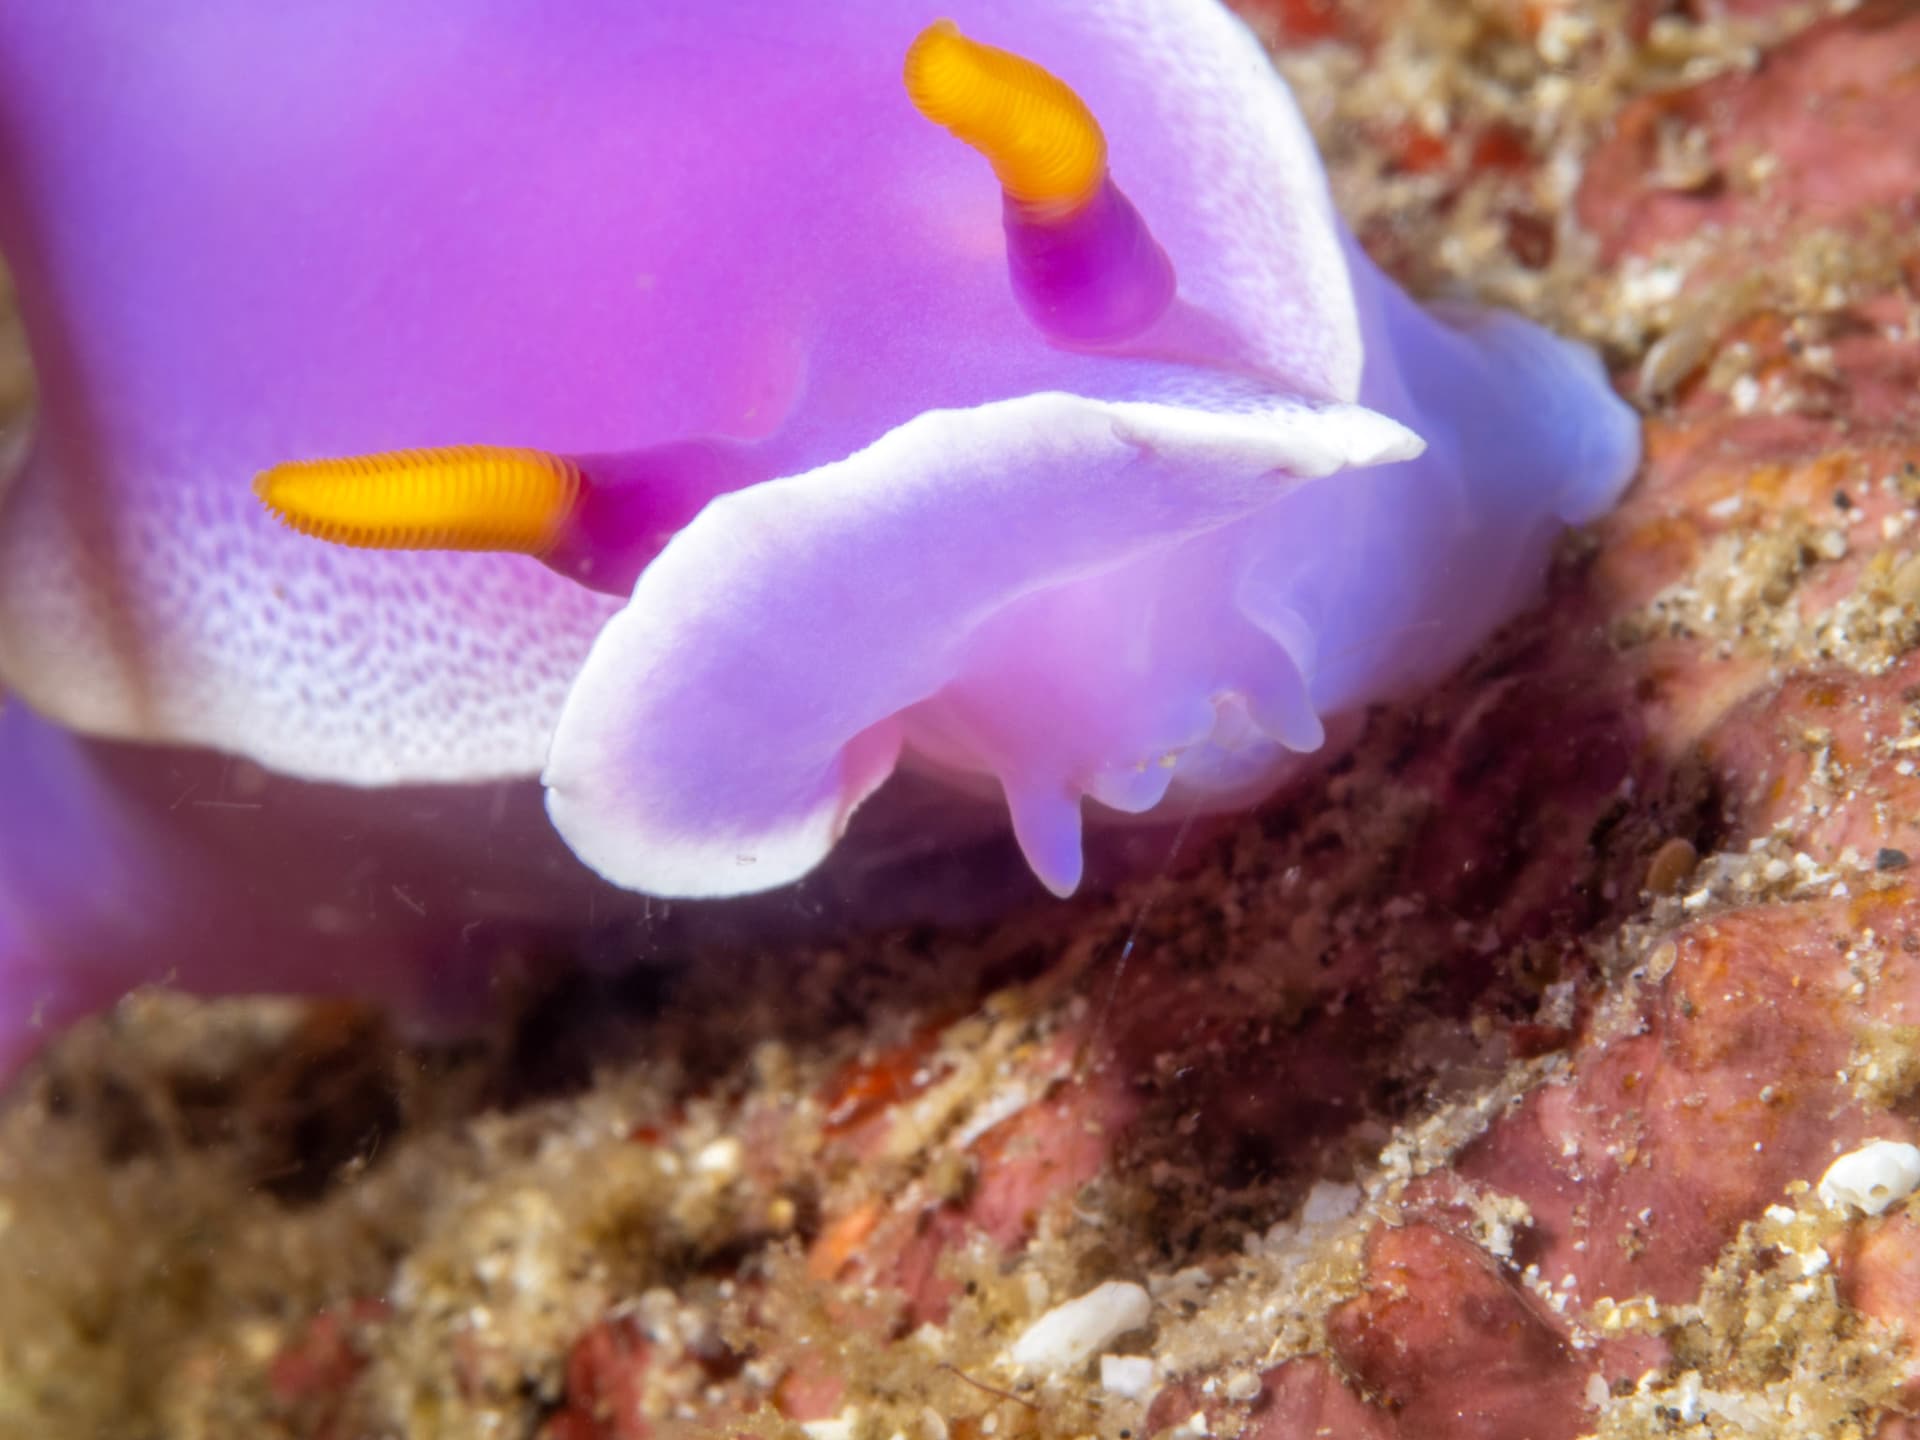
463	497
1042	141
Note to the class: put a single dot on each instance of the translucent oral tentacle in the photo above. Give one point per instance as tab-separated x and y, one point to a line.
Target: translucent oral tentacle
1046	821
596	519
1083	264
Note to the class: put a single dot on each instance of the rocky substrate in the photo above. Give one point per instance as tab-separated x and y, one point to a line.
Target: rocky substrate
1485	1087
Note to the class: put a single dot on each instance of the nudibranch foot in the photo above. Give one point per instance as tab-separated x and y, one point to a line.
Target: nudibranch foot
596	519
1084	266
188	869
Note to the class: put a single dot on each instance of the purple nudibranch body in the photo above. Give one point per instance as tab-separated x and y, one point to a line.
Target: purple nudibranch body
1113	521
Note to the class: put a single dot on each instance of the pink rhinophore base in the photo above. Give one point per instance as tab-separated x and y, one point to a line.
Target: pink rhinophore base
631	505
1095	277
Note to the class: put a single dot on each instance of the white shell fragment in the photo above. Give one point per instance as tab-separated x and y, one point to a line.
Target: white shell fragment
1069	1335
1328	1201
1872	1177
836	1427
1131	1377
1242	1386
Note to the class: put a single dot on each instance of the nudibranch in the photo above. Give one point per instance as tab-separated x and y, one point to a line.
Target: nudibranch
748	400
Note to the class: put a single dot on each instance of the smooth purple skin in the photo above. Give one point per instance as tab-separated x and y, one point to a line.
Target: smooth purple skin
247	233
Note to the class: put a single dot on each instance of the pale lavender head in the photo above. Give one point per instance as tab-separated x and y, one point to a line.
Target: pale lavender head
1097	510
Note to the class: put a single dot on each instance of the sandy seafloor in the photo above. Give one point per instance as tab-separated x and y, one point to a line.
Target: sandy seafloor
1479	1088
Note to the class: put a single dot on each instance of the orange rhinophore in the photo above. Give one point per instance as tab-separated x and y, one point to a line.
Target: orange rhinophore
1042	141
460	497
1083	264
